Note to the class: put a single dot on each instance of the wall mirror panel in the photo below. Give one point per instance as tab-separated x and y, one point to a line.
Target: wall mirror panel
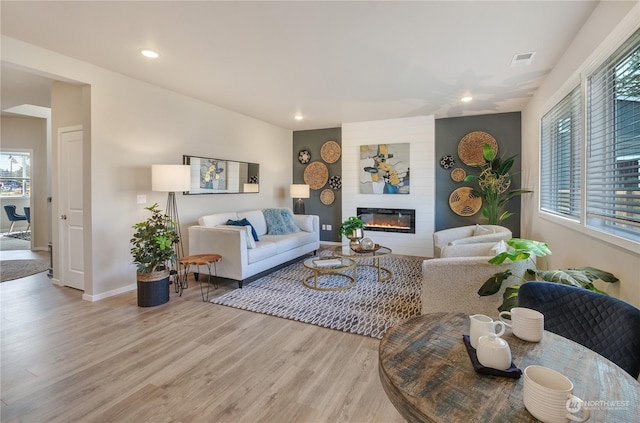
219	176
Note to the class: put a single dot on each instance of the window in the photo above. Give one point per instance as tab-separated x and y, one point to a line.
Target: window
15	174
613	143
561	130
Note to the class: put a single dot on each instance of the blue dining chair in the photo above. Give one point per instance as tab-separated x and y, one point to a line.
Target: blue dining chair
13	216
604	324
27	213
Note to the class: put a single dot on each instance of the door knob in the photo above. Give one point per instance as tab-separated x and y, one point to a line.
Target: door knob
63	217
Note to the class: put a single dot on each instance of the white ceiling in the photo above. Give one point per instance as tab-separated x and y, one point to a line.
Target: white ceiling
332	61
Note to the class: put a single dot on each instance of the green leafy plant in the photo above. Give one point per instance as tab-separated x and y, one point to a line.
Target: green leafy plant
352	223
492	185
153	242
523	249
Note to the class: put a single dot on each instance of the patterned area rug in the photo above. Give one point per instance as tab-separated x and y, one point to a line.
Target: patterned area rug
15	269
369	308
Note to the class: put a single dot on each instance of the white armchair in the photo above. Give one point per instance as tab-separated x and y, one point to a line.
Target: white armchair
472	234
451	283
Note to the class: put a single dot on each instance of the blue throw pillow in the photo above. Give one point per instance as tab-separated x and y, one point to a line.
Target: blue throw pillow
280	221
244	222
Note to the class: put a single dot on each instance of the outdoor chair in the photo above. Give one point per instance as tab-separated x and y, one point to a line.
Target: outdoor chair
604	324
13	216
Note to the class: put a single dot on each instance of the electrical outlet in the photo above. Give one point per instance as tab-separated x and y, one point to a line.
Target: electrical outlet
324	227
141	199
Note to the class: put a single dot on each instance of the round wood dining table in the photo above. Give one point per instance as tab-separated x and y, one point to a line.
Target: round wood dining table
427	374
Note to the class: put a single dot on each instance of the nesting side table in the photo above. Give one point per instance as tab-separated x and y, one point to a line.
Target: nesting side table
201	260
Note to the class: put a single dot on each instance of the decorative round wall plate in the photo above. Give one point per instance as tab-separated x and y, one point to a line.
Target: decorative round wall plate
447	161
316	175
304	156
470	147
327	197
335	182
330	151
458	174
464	203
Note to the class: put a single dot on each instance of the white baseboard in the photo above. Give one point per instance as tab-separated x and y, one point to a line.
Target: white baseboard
108	294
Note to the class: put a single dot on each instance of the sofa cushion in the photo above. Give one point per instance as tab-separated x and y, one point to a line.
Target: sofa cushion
280	221
256	217
264	250
288	242
217	219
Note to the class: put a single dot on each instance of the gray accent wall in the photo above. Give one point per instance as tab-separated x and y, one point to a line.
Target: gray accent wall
312	141
506	129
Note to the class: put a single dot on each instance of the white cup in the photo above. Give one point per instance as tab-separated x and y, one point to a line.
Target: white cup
482	325
548	396
526	324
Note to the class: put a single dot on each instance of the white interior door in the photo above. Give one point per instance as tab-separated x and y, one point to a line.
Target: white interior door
71	208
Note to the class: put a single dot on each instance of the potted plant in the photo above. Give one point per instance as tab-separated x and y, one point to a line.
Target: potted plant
492	185
523	249
353	228
152	251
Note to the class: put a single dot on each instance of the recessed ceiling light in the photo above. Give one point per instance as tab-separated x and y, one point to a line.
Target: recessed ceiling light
149	53
466	99
298	117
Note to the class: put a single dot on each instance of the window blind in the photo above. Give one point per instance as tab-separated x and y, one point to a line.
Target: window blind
613	143
560	164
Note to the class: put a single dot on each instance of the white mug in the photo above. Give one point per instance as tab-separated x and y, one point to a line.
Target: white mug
526	324
548	396
482	325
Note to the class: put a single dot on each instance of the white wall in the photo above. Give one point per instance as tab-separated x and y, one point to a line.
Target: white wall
29	134
576	245
420	133
134	125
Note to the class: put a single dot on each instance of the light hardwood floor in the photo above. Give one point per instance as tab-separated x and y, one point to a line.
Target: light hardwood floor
68	360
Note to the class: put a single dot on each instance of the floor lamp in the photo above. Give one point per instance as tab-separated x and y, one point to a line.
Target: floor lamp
172	178
299	191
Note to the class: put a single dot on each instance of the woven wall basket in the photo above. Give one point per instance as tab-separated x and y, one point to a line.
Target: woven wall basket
327	197
316	175
470	147
464	203
330	151
458	174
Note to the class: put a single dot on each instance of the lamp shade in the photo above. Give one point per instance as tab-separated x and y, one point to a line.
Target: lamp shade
170	178
299	191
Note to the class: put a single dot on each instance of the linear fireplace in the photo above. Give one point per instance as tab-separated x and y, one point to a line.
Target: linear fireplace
388	220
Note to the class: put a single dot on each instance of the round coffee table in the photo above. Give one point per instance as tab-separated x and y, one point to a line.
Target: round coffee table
332	266
384	274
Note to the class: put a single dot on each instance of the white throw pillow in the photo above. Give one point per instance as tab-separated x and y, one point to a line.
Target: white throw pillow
499	248
481	230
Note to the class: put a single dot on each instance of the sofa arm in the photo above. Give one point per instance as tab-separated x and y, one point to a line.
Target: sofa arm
493	237
307	222
230	242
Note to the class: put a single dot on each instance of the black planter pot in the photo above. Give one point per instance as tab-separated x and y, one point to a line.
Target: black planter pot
153	288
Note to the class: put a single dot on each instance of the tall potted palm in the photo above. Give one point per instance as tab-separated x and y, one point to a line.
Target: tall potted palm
492	185
152	251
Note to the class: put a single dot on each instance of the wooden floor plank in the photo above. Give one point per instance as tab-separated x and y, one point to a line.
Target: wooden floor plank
65	360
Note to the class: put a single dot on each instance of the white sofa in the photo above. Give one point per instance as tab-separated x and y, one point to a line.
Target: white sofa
451	283
241	256
471	234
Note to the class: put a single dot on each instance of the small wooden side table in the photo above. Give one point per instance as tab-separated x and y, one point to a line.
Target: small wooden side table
202	260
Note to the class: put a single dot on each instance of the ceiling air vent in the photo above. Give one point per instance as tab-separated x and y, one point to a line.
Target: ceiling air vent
522	59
